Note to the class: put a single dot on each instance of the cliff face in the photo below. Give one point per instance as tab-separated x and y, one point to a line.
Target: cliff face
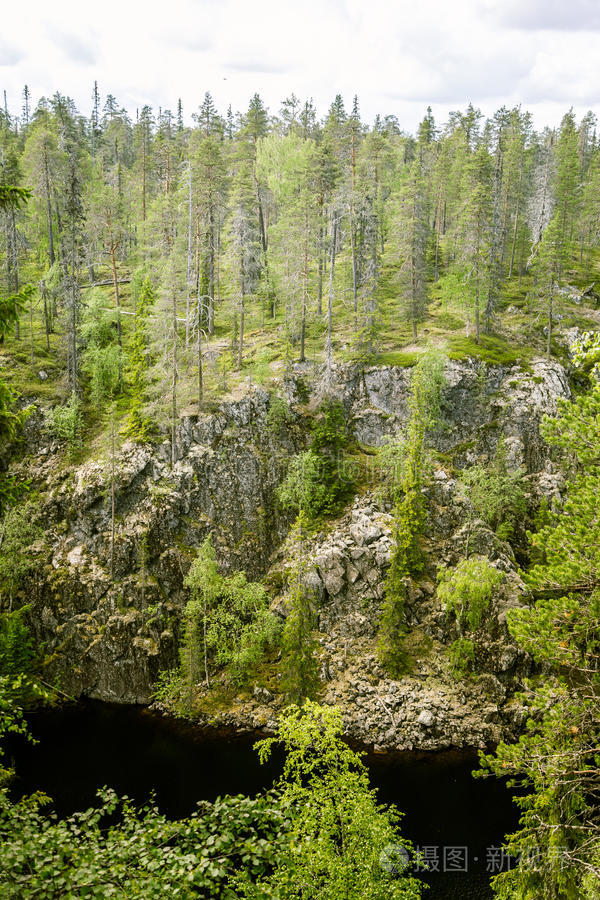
109	639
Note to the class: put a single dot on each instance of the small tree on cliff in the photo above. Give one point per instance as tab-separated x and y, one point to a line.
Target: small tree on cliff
300	672
408	459
204	582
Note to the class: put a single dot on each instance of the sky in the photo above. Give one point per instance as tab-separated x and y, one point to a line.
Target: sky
397	56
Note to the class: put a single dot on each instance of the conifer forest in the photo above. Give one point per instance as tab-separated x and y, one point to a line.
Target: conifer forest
299	440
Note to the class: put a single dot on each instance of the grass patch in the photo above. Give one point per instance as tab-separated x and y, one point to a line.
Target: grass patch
491	350
398	358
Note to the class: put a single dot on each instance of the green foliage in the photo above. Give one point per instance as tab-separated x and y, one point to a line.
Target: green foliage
12	196
391	463
300	670
101	360
12	307
279	417
402	463
227	626
117	850
12	719
316	479
18	530
462	656
12	489
320	834
338	830
66	423
569	543
242	628
556	760
329	440
138	426
11	420
467	590
303	488
392	624
16	644
497	495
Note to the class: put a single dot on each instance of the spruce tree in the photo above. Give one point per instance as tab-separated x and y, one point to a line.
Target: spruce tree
138	426
300	671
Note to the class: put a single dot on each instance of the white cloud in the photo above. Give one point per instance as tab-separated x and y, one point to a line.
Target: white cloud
547	15
10	54
397	57
76	48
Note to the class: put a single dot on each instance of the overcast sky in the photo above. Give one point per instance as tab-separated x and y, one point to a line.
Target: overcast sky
398	57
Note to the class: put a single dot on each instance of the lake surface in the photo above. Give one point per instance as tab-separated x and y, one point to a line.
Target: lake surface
457	820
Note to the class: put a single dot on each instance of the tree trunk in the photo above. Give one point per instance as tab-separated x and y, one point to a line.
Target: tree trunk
174	386
330	294
112	495
241	335
113	262
304	293
200	378
354	279
211	273
320	270
48	207
189	262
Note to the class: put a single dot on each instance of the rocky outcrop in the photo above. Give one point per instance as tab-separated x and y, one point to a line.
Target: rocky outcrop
108	637
109	611
427	708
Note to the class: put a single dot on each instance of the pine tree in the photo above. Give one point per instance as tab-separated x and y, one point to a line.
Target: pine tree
138	426
409	508
72	258
244	247
547	266
300	673
411	233
475	230
555	759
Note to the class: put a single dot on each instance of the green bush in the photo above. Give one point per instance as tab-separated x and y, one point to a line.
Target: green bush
462	656
16	644
18	530
116	850
403	463
466	590
227	626
317	479
101	358
497	495
66	423
299	664
279	416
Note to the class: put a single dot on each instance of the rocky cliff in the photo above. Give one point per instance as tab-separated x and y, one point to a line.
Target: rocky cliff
109	637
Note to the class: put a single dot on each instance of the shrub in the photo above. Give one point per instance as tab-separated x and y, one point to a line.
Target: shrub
18	531
66	423
466	591
314	484
497	495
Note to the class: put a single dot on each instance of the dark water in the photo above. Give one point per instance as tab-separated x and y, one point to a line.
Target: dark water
457	818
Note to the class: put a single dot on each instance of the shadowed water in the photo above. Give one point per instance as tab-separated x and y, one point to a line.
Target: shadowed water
458	819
